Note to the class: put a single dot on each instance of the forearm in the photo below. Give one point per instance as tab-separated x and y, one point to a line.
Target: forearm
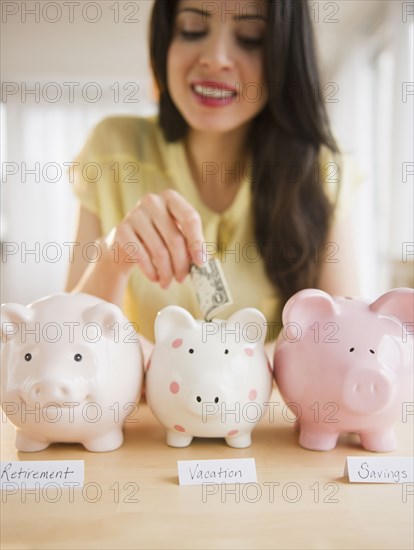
107	281
104	278
108	277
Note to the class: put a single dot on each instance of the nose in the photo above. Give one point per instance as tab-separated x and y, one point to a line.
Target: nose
53	391
217	53
204	403
366	391
199	399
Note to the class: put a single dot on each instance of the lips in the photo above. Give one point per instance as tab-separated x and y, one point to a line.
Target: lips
213	93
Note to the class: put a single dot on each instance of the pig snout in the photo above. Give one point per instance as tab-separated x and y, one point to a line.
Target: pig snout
367	391
204	402
54	391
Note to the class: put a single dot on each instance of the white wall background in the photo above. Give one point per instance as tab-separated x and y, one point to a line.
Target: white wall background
52	48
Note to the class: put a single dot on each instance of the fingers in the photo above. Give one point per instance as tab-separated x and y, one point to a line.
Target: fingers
189	222
130	250
175	245
155	247
168	232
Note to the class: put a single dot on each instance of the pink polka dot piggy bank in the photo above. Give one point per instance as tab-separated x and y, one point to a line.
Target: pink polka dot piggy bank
72	369
209	379
344	365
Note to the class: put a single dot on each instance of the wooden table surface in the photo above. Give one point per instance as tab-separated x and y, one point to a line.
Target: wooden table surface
132	499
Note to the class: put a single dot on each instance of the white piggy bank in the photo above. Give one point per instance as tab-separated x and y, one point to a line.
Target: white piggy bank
209	379
72	369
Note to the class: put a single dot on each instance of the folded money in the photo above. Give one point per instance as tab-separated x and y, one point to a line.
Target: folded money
211	288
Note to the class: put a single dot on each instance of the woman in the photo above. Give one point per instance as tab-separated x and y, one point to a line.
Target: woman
240	163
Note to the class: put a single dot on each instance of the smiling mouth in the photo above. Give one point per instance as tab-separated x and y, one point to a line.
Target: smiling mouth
213	92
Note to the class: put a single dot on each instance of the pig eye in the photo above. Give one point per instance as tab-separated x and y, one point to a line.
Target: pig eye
28	356
226	351
371	351
352	349
191	350
216	400
78	357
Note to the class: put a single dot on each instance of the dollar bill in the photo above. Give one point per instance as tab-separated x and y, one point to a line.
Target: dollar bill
211	288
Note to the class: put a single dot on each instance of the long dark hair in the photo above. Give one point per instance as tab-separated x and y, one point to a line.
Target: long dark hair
291	211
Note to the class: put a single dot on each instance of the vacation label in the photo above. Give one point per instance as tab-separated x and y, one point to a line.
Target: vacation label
197	472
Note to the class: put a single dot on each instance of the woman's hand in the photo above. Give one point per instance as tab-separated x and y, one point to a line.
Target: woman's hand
162	235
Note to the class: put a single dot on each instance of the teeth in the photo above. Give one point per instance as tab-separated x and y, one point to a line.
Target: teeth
213	92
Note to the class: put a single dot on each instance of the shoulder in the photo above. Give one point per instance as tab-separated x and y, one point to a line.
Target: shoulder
135	136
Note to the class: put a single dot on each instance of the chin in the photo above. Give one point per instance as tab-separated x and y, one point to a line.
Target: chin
213	124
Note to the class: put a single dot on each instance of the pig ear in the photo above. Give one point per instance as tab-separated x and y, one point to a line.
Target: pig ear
252	324
398	302
105	315
308	305
13	314
171	319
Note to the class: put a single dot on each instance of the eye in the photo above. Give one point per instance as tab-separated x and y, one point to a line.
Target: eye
198	398
191	350
78	357
371	351
216	400
250	43
28	357
226	351
352	349
192	35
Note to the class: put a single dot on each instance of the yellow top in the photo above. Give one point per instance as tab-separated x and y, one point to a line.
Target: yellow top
127	157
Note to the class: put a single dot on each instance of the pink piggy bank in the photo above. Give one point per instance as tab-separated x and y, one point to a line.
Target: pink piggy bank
209	379
72	369
343	365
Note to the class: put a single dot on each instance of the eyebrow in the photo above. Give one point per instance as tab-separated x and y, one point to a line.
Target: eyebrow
241	17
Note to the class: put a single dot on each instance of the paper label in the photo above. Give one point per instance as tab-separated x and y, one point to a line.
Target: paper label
38	474
197	472
379	469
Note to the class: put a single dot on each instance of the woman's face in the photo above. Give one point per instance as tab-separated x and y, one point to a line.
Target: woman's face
215	63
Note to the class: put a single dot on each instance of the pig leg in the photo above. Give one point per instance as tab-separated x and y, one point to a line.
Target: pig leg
107	442
380	442
29	444
317	440
239	441
175	439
